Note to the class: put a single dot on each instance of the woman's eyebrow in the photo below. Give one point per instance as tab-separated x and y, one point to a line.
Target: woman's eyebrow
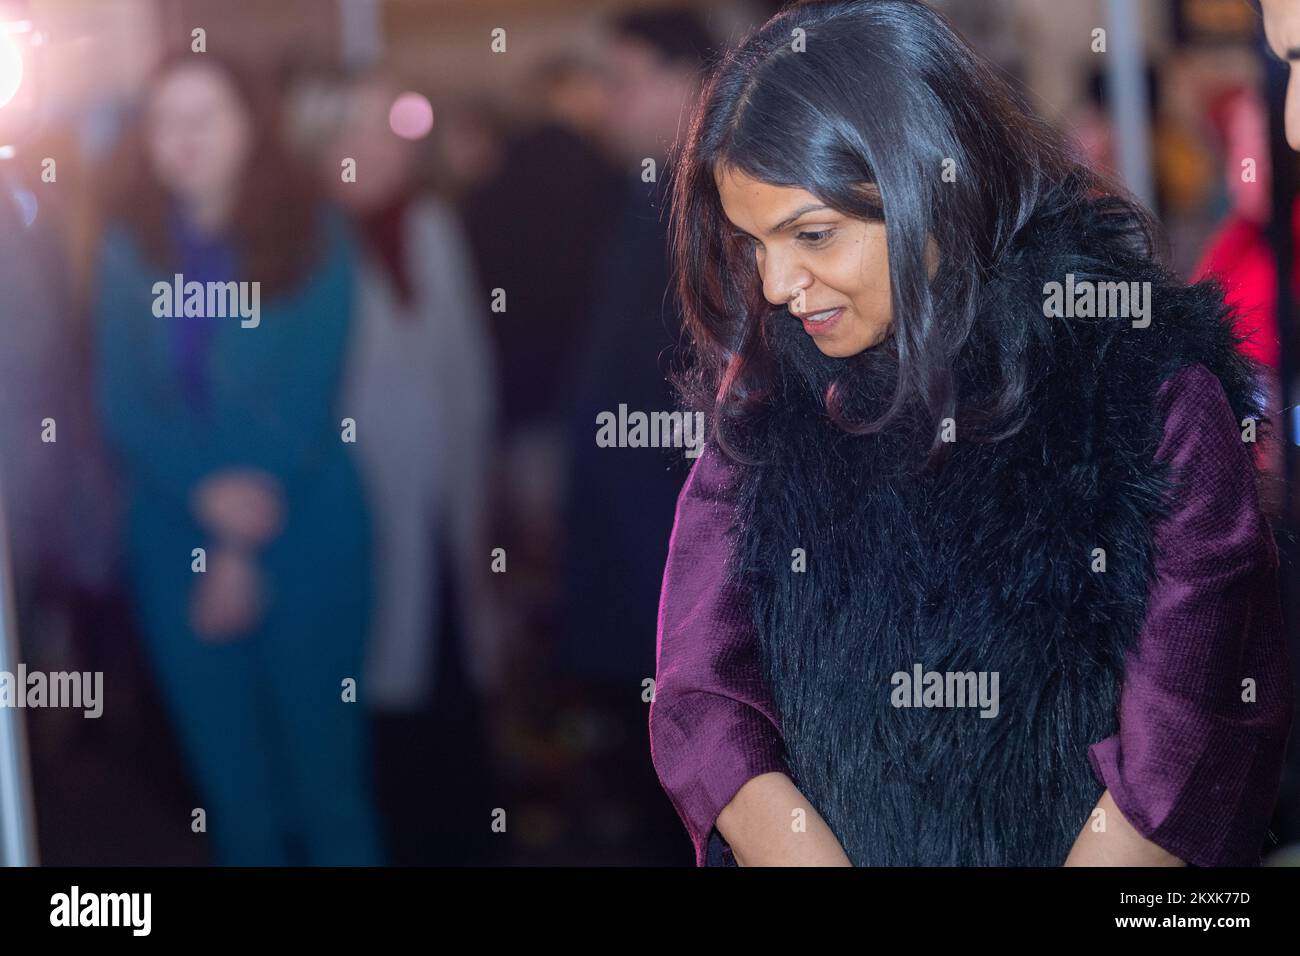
801	211
788	220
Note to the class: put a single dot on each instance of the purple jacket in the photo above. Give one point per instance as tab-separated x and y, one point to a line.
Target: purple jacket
1188	778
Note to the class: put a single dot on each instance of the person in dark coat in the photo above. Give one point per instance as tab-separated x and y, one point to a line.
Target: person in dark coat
618	503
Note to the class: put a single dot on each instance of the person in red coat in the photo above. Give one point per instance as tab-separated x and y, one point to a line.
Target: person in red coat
1240	257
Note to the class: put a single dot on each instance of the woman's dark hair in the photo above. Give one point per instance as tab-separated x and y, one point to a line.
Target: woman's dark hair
882	92
272	219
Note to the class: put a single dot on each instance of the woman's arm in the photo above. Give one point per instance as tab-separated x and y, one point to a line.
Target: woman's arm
714	734
1119	844
770	823
1206	704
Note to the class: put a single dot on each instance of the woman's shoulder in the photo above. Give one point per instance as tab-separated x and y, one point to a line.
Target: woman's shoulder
712	478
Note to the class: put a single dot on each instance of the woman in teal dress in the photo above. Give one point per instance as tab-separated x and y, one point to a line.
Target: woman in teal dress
228	430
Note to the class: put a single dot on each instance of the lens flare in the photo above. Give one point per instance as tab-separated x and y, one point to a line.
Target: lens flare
411	116
11	67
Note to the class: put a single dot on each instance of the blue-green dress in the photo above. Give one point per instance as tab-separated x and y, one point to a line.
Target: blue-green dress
280	759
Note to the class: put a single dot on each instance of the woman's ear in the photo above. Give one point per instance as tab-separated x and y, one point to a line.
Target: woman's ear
931	256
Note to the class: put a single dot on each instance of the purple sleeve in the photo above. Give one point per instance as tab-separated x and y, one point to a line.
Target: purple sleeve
712	723
1197	761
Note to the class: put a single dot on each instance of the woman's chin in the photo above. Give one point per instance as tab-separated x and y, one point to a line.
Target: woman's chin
840	347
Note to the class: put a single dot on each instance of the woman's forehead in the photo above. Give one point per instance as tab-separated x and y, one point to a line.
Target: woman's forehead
741	185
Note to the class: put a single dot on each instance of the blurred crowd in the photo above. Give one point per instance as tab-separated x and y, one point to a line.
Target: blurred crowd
360	579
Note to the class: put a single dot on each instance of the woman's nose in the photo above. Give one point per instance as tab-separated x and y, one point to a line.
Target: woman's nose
782	280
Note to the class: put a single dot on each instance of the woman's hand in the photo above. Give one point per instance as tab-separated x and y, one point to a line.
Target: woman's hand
759	821
227	603
242	506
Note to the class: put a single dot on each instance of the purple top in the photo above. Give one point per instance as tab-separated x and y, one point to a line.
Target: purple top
203	259
1194	768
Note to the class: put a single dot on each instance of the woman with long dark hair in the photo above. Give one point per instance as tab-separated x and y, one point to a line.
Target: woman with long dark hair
972	570
247	538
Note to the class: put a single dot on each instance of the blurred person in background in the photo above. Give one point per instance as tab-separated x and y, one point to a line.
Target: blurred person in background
230	441
535	229
619	502
421	387
468	139
55	541
1240	256
56	490
1183	175
37	387
1282	32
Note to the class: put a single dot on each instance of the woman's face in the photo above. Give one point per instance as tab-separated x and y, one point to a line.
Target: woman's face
384	160
199	134
831	269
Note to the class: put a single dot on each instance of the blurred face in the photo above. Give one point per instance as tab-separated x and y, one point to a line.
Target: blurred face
648	101
1282	28
582	100
831	269
383	158
199	135
470	148
1247	136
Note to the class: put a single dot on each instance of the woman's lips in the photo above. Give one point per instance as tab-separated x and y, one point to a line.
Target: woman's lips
826	325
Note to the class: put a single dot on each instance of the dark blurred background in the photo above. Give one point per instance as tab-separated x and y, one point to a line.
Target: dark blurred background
501	245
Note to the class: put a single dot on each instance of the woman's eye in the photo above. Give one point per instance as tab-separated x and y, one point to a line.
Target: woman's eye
815	238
